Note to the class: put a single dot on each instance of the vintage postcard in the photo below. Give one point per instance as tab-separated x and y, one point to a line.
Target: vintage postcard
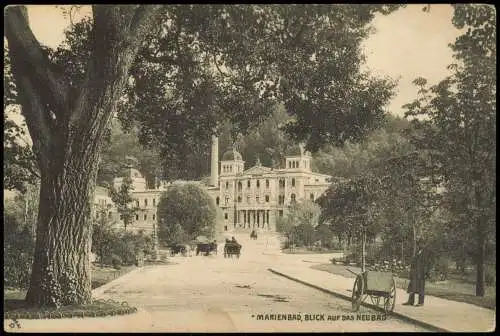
250	168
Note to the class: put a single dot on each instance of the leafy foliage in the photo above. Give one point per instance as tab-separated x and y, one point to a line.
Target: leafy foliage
185	211
19	164
457	128
300	222
19	243
116	247
122	198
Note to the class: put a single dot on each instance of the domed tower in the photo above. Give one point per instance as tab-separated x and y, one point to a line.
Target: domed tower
232	163
298	158
138	181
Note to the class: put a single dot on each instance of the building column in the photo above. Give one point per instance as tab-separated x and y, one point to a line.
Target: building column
267	219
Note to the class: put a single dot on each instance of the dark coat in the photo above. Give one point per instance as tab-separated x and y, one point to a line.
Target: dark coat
417	273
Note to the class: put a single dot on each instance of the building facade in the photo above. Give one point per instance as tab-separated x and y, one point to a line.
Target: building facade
248	199
255	198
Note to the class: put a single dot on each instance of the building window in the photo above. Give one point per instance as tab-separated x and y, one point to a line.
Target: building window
249	184
258	183
145	202
267	183
121	217
227	185
267	198
257	198
311	196
217	200
154	201
136	217
137	203
154	216
249	199
227	200
292	197
280	213
240	186
239	199
145	217
225	215
281	199
289	164
109	214
293	182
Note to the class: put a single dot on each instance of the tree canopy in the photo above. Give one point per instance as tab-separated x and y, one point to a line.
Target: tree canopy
456	128
187	210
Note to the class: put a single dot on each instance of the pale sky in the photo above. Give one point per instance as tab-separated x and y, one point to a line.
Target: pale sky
407	44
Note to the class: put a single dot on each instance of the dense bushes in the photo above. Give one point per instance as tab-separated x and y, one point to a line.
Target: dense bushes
117	248
19	244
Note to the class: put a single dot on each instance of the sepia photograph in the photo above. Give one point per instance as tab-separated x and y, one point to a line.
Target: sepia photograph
241	168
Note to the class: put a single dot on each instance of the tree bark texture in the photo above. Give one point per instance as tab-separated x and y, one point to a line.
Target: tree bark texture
67	128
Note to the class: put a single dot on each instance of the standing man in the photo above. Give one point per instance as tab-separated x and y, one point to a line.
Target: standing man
417	276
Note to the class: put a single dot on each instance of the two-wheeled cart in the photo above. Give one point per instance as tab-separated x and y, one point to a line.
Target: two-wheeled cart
379	286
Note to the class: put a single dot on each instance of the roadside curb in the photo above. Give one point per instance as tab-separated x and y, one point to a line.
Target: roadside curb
348	298
100	290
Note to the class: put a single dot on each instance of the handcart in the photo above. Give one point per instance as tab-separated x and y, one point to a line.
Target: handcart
376	285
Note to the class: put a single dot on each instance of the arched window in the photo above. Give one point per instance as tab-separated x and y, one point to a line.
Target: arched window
258	183
217	200
292	197
239	199
267	183
267	198
240	186
293	182
227	185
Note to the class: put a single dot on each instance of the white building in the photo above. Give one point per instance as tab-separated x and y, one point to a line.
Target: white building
248	199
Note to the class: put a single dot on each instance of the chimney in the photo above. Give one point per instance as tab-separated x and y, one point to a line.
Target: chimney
214	169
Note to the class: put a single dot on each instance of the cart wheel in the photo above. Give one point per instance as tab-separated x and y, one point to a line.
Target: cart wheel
375	300
390	301
357	293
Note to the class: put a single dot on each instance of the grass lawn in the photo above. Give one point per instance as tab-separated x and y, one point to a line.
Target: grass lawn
103	275
304	250
450	289
15	306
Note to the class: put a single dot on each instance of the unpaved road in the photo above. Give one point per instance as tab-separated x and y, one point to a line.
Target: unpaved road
214	294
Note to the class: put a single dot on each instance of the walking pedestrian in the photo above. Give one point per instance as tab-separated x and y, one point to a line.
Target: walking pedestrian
417	276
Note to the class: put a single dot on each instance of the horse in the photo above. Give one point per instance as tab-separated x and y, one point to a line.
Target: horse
232	248
253	235
206	248
179	248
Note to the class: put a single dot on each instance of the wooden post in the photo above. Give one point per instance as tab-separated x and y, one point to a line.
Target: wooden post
363	261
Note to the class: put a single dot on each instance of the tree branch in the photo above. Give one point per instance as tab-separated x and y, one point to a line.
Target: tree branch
32	61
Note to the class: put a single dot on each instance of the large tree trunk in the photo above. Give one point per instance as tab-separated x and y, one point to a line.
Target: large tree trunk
67	125
61	267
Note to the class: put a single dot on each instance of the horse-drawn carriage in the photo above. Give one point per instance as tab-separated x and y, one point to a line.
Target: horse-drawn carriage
231	249
179	248
206	248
